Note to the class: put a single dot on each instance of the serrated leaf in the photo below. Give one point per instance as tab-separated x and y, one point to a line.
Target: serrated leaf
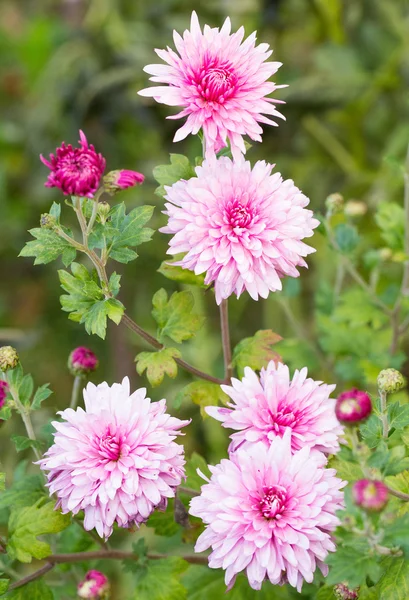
356	309
36	590
4	585
394	584
390	218
256	352
22	442
177	273
202	393
42	393
363	566
398	415
346	470
174	316
163	522
162	580
158	364
47	246
25	524
179	168
371	431
399	482
24	492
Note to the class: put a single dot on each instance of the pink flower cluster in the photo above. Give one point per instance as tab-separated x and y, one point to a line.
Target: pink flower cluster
117	460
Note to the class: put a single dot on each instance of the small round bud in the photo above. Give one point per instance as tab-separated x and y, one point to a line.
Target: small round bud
115	181
103	211
370	495
8	358
353	406
343	592
4	389
335	203
82	361
355	208
95	586
385	253
47	221
390	381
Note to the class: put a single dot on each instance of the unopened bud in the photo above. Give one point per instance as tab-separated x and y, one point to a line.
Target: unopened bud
103	211
115	181
343	592
82	361
8	358
47	221
370	495
390	381
385	253
353	406
335	203
355	208
95	586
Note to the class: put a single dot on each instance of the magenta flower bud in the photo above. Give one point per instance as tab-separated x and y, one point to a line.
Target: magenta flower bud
370	495
115	181
95	586
343	592
4	388
353	406
82	361
76	171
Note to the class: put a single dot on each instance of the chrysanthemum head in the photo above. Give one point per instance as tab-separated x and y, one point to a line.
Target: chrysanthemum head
76	171
82	361
117	460
370	494
270	512
4	390
115	181
94	586
390	381
221	83
243	227
9	358
353	406
263	408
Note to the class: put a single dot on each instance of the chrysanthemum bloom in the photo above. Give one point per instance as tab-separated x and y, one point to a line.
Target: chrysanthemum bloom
95	586
370	495
270	512
76	171
4	389
82	361
264	408
117	460
353	406
115	181
241	226
221	84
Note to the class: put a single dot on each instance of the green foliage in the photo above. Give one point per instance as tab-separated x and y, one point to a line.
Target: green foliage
23	492
193	464
202	393
390	218
255	352
394	584
346	237
158	364
174	316
163	522
36	590
356	309
161	580
42	393
86	301
25	524
2	482
177	273
48	246
179	168
4	584
22	442
353	566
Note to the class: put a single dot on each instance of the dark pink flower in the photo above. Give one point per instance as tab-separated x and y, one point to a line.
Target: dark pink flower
4	388
95	586
82	361
115	181
76	171
353	406
370	495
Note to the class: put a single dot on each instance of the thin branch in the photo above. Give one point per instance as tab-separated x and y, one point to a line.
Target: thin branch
224	325
188	491
32	577
398	494
384	415
25	415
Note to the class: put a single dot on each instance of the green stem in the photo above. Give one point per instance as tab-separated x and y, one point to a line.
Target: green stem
224	324
76	388
92	220
25	415
384	415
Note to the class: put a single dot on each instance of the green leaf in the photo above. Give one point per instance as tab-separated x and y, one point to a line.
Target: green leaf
177	273
202	393
390	218
48	246
371	431
128	231
5	413
399	482
163	522
179	168
36	590
346	237
24	492
162	580
355	309
2	482
326	593
4	584
42	393
25	389
398	415
349	471
22	442
256	352
394	584
174	316
363	566
25	524
158	364
194	480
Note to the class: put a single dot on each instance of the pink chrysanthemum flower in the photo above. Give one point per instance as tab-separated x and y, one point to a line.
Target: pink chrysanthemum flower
241	226
265	408
221	83
117	460
4	390
115	181
82	361
76	171
270	512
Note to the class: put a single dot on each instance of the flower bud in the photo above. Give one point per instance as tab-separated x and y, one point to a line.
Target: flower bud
103	211
370	495
8	358
82	361
385	253
356	208
353	406
390	381
47	221
334	203
95	586
4	388
115	181
343	592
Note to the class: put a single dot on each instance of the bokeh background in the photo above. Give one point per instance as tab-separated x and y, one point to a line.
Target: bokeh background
71	64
